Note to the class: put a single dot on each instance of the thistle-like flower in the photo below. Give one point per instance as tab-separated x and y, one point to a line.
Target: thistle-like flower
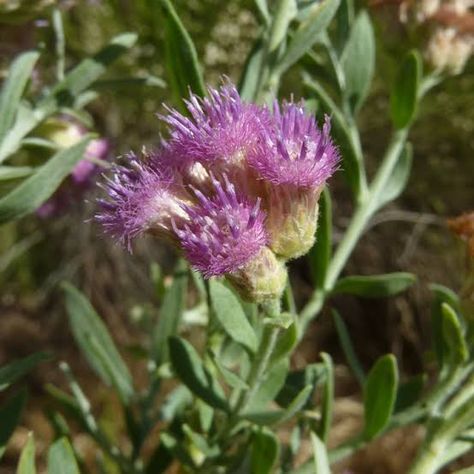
234	187
295	158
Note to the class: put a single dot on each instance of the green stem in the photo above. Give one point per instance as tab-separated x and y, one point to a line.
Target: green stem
364	211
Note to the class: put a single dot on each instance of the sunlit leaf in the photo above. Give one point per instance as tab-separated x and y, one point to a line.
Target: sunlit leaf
26	464
61	458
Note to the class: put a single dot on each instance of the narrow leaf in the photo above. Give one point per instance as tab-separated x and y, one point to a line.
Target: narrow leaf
26	464
345	18
15	172
287	340
456	345
264	451
171	311
404	97
358	60
399	178
286	11
230	314
36	189
91	335
297	380
320	254
263	10
10	413
12	90
188	367
348	348
328	398
61	458
10	373
248	83
320	456
308	32
375	286
181	56
379	395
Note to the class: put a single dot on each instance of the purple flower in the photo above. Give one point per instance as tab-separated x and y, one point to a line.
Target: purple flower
143	196
224	231
295	151
221	129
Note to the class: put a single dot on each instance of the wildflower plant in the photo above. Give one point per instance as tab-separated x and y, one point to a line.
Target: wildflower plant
238	186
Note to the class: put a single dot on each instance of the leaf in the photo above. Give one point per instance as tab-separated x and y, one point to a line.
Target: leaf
345	18
65	92
171	311
188	367
263	10
230	314
249	80
10	413
297	380
320	456
15	172
26	464
348	348
379	395
399	177
287	340
231	378
307	33
181	57
446	295
264	451
13	88
409	392
61	458
297	404
94	340
404	97
375	286
36	189
327	398
286	11
455	342
320	254
358	60
11	372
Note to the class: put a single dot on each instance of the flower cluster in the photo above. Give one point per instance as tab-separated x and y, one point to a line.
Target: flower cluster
235	186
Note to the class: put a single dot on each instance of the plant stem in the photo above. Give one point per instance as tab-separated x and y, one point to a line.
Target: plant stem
364	211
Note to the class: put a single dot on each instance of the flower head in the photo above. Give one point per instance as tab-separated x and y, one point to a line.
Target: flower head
295	152
220	129
142	197
224	230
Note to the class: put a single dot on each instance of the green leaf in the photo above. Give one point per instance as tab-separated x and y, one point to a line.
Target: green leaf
320	254
375	286
171	311
263	10
348	348
10	373
286	11
399	177
181	57
286	341
231	378
297	380
94	340
248	84
65	93
345	18
10	413
409	392
26	464
297	404
320	456
230	314
453	335
327	398
264	451
379	395
61	458
188	367
15	172
404	97
36	189
358	60
446	295
12	91
308	32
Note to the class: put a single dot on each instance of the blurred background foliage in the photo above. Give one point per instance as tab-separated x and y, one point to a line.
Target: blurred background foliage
411	235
